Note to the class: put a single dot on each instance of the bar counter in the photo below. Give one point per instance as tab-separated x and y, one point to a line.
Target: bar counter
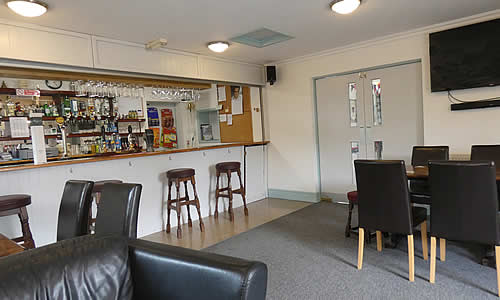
14	165
45	183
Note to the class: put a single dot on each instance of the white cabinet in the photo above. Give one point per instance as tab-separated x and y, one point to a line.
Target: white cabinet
45	45
208	99
230	71
256	173
131	57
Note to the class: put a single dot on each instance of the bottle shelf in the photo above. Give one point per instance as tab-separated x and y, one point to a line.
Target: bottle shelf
6	119
71	135
9	91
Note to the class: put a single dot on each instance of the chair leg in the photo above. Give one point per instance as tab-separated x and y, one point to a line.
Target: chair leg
411	258
361	245
349	218
216	211
497	256
423	232
379	240
178	209
442	249
169	202
230	192
29	243
242	190
197	201
432	275
190	222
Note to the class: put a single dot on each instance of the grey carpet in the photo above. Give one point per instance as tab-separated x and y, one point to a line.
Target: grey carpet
309	258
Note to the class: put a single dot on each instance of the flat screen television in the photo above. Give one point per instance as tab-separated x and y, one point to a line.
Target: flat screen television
465	57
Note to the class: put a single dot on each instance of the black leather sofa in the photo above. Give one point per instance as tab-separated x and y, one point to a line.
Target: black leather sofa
108	267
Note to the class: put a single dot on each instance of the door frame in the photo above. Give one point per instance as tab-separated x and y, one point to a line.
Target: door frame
342	199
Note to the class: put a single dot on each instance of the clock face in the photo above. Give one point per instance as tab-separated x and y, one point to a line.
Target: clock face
53	84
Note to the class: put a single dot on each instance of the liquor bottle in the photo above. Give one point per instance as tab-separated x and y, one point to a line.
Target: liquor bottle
47	110
11	108
55	113
74	107
66	107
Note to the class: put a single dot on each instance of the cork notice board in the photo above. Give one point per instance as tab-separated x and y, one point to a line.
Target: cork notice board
241	130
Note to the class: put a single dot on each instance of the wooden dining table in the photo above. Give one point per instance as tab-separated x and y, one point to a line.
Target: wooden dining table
8	247
423	173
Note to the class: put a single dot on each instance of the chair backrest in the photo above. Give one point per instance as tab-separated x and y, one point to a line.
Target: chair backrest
383	198
421	155
74	209
119	209
486	152
464	201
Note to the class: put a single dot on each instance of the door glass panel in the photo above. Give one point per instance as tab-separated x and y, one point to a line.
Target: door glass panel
377	102
378	149
354	156
353	104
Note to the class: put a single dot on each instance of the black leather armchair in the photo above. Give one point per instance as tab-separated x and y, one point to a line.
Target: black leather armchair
74	209
97	267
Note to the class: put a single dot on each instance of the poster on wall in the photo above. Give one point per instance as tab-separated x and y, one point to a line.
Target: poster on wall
153	118
236	100
169	132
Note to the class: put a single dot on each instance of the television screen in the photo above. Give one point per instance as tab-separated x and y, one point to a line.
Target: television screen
465	57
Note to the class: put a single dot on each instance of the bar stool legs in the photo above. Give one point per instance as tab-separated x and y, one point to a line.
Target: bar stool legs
29	243
228	168
178	176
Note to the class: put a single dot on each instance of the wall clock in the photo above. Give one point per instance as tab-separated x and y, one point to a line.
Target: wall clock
53	84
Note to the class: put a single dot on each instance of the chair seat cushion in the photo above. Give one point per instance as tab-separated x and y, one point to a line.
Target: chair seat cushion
419	215
353	197
9	202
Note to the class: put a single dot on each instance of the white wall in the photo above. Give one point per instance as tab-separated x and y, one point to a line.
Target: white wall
289	106
45	185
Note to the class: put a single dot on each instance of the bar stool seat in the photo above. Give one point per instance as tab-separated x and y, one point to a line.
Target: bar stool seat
16	205
9	202
228	168
180	173
96	197
178	176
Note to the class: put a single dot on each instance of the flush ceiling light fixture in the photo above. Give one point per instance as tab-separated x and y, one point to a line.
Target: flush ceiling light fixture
156	44
345	7
27	8
218	46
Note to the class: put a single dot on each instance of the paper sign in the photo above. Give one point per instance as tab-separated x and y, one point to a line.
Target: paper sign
221	93
23	92
19	127
222	118
230	119
38	142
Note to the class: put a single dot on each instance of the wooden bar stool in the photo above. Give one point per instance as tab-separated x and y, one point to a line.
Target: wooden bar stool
16	205
177	176
228	168
96	197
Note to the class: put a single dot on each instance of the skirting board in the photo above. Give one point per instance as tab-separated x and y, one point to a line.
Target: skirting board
294	195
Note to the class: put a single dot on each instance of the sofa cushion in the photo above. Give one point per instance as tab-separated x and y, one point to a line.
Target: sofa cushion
81	268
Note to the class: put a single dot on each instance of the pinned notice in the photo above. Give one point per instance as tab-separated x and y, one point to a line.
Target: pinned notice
229	120
222	118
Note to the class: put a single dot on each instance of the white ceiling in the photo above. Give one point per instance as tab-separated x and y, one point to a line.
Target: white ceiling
190	24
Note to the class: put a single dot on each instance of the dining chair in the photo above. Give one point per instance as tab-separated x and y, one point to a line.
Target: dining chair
384	206
119	209
464	207
420	157
74	209
486	152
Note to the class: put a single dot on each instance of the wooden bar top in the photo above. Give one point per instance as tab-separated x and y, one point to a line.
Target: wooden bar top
8	247
423	173
93	158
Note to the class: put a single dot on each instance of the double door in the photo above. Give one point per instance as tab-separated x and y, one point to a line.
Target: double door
375	114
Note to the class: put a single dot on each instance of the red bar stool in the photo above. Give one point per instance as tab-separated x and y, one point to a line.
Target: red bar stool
177	176
16	205
228	168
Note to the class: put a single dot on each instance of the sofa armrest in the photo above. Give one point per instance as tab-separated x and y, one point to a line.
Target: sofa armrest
165	272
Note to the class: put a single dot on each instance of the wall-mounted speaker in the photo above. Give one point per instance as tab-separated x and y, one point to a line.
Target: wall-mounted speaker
271	74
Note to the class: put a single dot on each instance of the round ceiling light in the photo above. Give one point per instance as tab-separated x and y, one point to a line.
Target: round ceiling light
27	8
345	7
218	46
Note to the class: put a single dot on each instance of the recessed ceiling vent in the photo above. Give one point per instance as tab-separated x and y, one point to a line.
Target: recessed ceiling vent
261	38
